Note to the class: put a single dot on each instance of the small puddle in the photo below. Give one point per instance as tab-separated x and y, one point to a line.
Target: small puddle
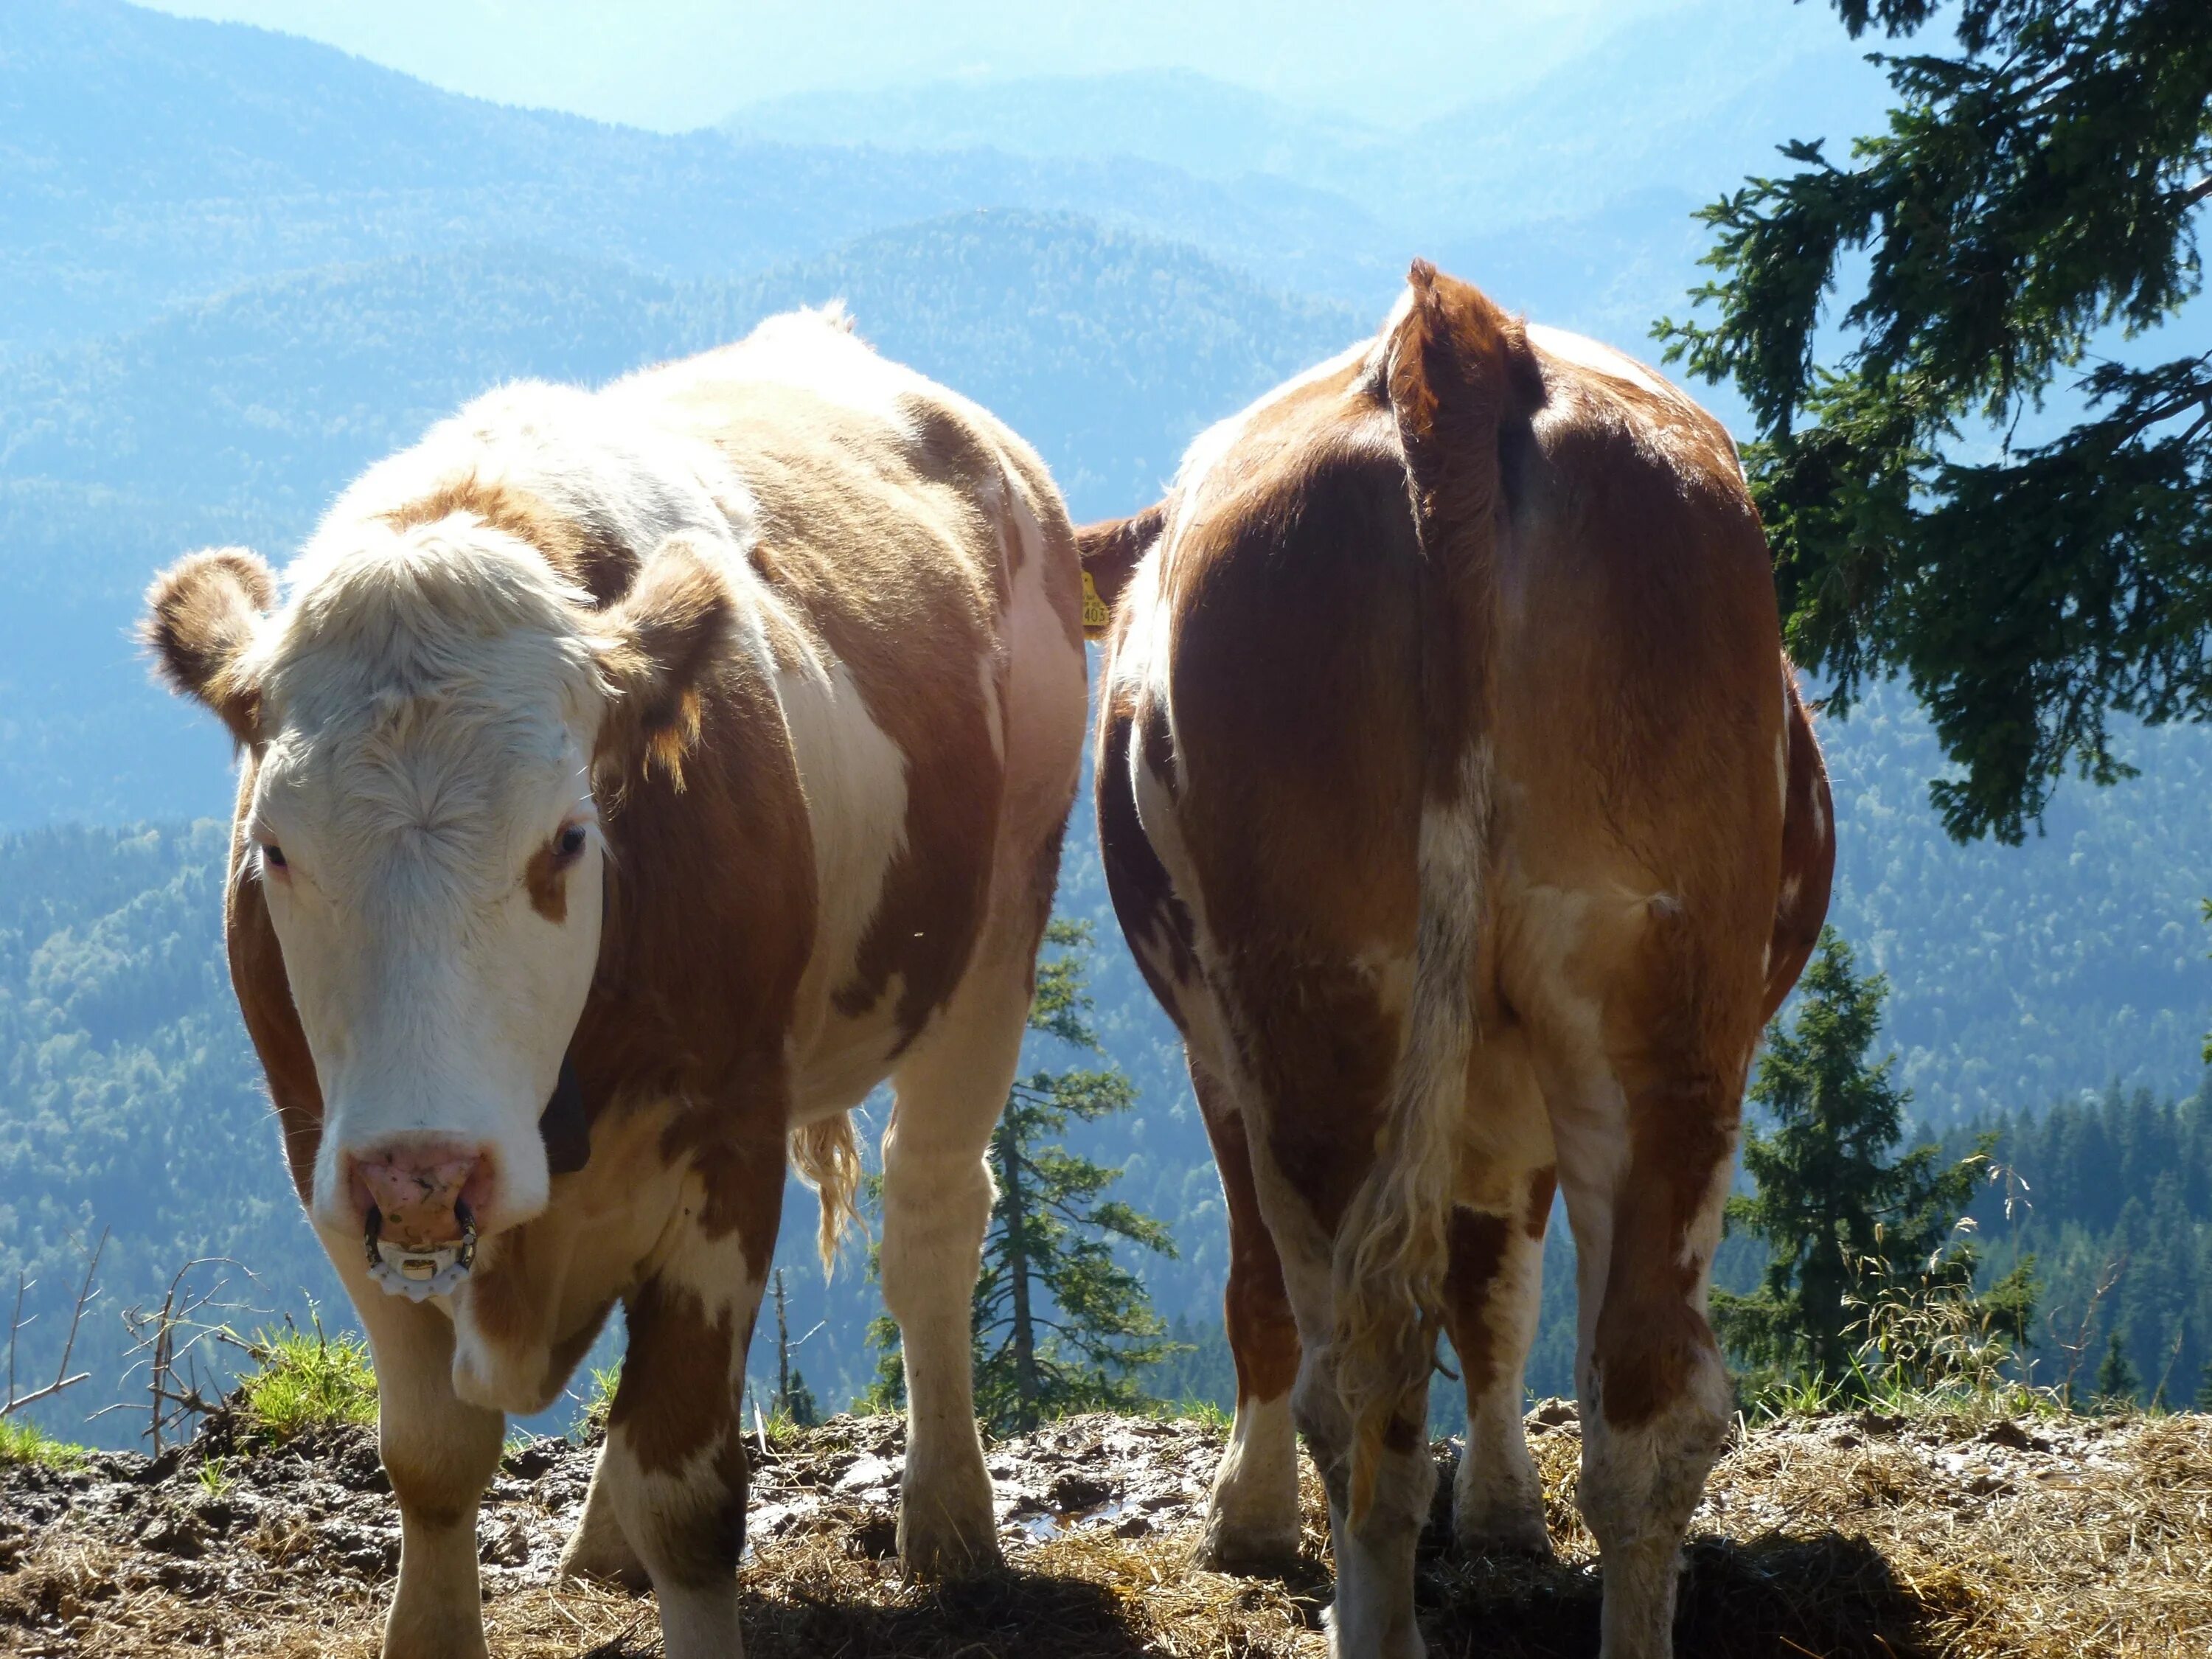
1048	1524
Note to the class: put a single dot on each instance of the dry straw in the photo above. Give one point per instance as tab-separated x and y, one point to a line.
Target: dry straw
1888	1537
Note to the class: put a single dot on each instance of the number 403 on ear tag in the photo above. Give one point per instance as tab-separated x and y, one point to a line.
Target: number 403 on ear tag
1095	614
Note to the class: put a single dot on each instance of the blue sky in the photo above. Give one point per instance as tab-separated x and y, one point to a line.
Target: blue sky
672	64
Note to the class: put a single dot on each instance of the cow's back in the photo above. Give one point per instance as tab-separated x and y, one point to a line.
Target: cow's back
923	611
1263	657
1637	732
1640	757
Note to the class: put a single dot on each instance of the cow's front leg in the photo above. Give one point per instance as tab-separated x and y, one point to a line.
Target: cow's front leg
673	1468
937	1203
598	1548
1507	1177
439	1451
1491	1302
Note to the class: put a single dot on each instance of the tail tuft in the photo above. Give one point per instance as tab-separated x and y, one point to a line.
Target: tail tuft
828	1159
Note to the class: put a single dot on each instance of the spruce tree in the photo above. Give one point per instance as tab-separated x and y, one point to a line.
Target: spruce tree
1059	1323
2034	189
2117	1382
1833	1201
2009	1304
798	1403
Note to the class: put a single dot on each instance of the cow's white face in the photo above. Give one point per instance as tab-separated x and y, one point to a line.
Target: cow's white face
432	865
425	714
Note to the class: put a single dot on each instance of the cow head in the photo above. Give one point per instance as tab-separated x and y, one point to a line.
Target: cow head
425	717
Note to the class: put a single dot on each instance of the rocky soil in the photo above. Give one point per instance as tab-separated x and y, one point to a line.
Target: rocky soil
1831	1536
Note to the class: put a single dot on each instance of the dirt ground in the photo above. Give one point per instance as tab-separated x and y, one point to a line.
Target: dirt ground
1835	1536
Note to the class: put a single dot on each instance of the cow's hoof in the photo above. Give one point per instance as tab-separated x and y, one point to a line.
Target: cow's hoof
1498	1508
935	1545
459	1636
628	1575
1404	1641
1501	1530
598	1553
1227	1547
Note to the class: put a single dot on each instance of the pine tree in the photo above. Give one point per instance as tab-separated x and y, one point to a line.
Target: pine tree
1059	1323
2034	188
2011	1304
1831	1197
798	1403
2117	1382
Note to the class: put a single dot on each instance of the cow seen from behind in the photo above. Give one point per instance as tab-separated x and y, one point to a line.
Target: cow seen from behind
1460	807
630	781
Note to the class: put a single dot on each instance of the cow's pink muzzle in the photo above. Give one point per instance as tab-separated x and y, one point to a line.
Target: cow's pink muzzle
420	1226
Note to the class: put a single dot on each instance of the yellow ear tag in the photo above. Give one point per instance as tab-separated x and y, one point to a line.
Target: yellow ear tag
1095	614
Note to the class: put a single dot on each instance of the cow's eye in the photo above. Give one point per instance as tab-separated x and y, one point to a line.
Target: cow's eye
272	856
569	843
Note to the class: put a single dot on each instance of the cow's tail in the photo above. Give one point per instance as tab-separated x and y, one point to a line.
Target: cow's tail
1455	368
828	1158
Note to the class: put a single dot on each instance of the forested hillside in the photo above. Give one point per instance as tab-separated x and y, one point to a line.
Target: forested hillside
132	1104
2112	1194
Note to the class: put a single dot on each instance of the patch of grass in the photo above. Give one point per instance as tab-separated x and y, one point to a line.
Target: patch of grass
606	1379
1205	1412
1959	1404
25	1443
306	1380
214	1477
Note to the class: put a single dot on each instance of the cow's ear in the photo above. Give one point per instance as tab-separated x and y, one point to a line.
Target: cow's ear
1110	551
662	643
202	614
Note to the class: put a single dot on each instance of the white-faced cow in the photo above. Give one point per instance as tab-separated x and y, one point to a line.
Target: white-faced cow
632	780
1461	809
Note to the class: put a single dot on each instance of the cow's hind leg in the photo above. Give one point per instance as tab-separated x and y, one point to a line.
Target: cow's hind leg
673	1470
1373	1615
1318	1046
1252	1518
1646	1149
1316	1149
439	1452
1502	1204
936	1205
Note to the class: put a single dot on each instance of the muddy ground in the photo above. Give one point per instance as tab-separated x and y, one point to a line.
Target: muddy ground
1836	1536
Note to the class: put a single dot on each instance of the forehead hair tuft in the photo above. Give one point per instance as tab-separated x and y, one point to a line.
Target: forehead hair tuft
445	608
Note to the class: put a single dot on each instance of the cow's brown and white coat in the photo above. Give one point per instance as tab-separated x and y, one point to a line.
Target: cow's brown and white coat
1461	809
716	730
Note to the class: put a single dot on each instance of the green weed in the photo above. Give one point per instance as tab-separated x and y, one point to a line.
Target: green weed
24	1442
1205	1412
606	1379
306	1380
